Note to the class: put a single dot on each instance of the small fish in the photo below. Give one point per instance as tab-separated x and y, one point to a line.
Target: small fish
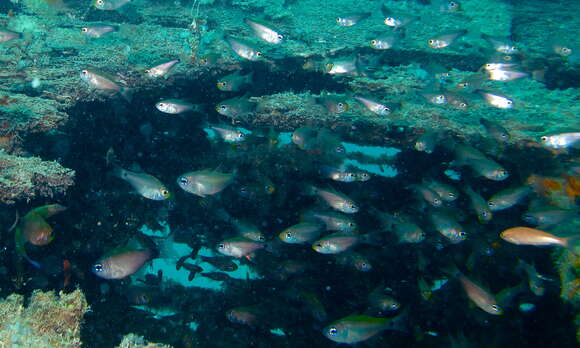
481	297
305	137
561	141
334	104
547	217
478	204
355	328
247	315
396	20
457	100
224	264
408	232
234	81
9	35
496	99
336	243
301	233
427	141
374	106
217	276
174	106
33	229
205	182
333	221
446	192
234	108
504	74
501	44
338	174
535	237
507	198
121	263
161	70
446	39
248	230
110	5
342	66
238	247
145	184
209	59
384	42
495	130
229	134
434	97
380	298
244	48
265	31
448	6
448	226
102	81
489	169
98	31
337	200
352	19
561	49
535	280
427	194
354	260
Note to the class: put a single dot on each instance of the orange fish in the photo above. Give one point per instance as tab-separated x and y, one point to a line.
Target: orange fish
535	237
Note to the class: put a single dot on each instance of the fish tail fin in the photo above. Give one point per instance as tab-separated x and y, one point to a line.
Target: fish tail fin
20	248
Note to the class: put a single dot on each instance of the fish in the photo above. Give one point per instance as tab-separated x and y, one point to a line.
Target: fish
489	169
352	19
446	39
448	6
428	140
121	262
342	66
162	70
434	97
144	184
385	41
336	200
427	194
479	205
495	130
478	295
247	315
234	81
354	260
457	100
535	280
334	104
301	233
9	35
265	31
408	232
101	80
174	106
374	106
338	174
396	20
98	31
110	5
205	182
535	237
224	264
560	48
561	141
332	220
355	328
336	243
380	298
217	276
229	134
209	59
32	228
496	99
447	226
305	137
244	48
238	247
547	217
507	198
446	192
504	74
501	44
239	107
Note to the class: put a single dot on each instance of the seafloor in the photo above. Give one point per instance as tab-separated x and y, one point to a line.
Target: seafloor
55	132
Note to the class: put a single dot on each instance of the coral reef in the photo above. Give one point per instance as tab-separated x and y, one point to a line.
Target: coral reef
49	321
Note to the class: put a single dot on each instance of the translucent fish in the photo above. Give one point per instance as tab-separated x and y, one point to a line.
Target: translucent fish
265	31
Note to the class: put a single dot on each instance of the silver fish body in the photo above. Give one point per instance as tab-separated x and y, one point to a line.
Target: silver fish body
265	31
161	70
174	106
244	48
98	31
561	141
205	182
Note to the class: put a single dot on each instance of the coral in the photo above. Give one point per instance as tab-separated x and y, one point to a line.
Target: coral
49	321
134	341
30	177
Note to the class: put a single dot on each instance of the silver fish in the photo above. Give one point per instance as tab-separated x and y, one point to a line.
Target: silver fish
373	106
265	31
497	99
352	19
145	184
229	134
501	44
121	263
98	31
234	82
244	48
110	5
561	141
174	106
384	42
448	226
238	247
337	200
205	182
301	233
446	39
161	70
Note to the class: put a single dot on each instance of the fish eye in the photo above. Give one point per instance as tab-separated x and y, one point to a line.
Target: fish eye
288	235
183	180
374	42
462	105
509	102
351	224
431	42
100	2
452	4
161	105
504	136
164	192
451	195
259	54
261	238
338	20
98	267
394	306
462	234
84	30
484	213
223	107
332	331
241	135
565	50
84	72
544	138
280	37
221	246
437	201
495	307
